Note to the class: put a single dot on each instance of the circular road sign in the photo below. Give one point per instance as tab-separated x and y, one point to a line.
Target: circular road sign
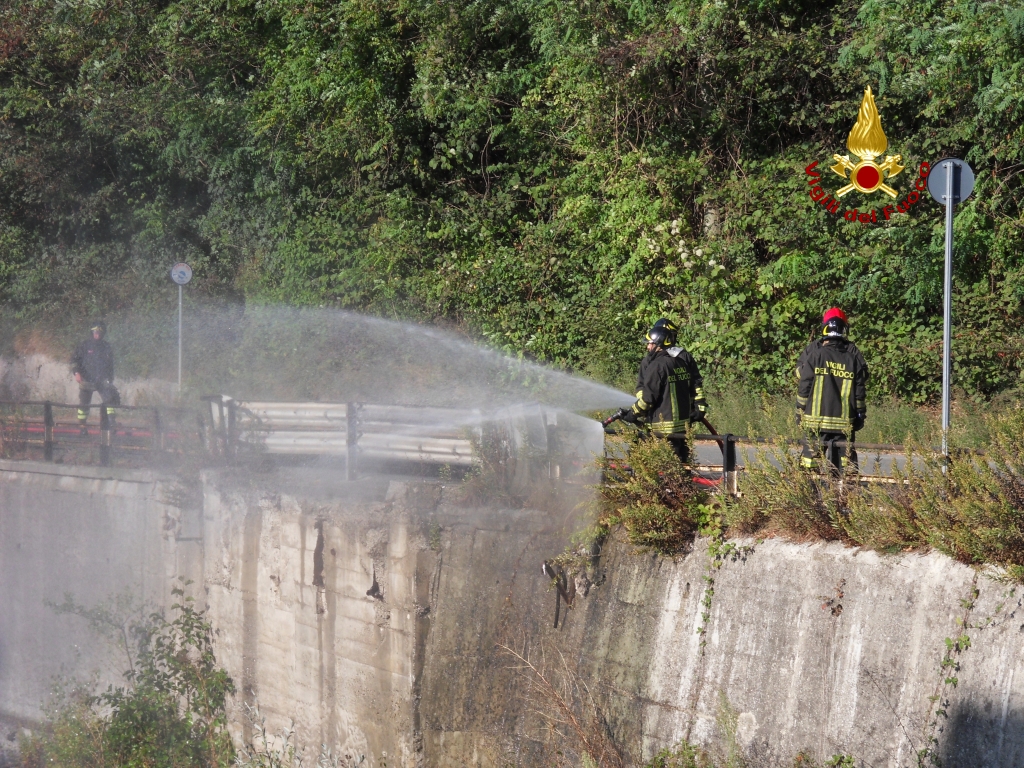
181	273
963	180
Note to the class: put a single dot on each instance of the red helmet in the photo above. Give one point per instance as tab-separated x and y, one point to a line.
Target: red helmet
835	323
834	313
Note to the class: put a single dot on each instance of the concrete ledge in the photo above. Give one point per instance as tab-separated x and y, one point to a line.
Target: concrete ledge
84	471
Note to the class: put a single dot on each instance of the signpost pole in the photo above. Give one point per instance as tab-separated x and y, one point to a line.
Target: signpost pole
181	273
179	336
952	188
947	306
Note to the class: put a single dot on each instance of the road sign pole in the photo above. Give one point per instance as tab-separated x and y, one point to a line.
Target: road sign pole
181	273
179	337
947	307
950	188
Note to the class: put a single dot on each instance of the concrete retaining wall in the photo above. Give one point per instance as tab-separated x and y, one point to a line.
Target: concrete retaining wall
90	532
381	618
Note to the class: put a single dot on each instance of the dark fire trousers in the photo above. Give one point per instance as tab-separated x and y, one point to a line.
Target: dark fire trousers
108	396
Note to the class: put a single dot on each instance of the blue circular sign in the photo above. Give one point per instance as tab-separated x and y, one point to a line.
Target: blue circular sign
181	273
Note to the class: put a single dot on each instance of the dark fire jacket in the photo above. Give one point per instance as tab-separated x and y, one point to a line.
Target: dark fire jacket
669	388
833	385
94	359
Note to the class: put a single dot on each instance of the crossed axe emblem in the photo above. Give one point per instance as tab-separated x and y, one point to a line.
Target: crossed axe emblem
867	175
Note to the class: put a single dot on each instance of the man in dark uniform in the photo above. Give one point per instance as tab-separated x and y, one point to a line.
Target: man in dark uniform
830	400
669	390
93	366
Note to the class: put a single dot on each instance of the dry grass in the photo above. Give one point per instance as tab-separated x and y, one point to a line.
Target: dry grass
974	513
561	698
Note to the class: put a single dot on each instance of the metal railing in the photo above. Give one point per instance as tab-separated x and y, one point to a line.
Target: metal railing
877	462
353	431
363	433
39	426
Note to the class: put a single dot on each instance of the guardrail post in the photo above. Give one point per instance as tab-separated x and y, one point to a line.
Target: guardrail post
729	472
104	437
158	431
351	440
48	431
231	444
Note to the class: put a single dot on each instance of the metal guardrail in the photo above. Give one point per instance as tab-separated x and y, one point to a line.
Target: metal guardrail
360	433
520	444
37	424
354	431
876	460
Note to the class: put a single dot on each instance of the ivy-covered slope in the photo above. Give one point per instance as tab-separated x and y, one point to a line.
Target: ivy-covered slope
549	175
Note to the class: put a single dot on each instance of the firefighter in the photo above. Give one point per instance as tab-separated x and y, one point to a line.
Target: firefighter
669	390
830	400
93	366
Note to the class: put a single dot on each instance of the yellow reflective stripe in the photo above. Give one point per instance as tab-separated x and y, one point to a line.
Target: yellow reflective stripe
640	406
675	402
816	396
829	423
801	401
847	386
669	427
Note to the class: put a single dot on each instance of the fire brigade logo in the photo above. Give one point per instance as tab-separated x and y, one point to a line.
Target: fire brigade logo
867	142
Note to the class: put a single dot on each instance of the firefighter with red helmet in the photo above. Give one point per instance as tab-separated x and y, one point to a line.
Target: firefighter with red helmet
830	400
669	390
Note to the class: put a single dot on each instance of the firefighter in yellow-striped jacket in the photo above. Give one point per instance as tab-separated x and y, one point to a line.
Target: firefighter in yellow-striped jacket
830	400
669	390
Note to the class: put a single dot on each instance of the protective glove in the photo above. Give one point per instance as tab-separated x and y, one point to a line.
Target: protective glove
629	416
799	416
858	421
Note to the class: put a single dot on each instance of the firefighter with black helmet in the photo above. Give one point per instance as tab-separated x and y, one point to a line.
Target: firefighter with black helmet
669	390
93	366
830	400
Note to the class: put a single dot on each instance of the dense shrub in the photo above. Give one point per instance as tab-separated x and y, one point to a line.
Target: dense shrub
652	496
973	513
549	176
169	714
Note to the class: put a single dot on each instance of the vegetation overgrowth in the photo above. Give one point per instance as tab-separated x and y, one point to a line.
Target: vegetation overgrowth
170	712
973	512
548	176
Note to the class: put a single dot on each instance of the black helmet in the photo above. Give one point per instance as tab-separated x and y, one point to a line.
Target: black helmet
662	333
99	325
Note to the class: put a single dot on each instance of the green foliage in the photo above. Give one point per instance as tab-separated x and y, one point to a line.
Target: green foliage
652	497
171	711
683	755
550	177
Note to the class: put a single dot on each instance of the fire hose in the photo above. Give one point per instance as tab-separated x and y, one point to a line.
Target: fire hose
622	412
